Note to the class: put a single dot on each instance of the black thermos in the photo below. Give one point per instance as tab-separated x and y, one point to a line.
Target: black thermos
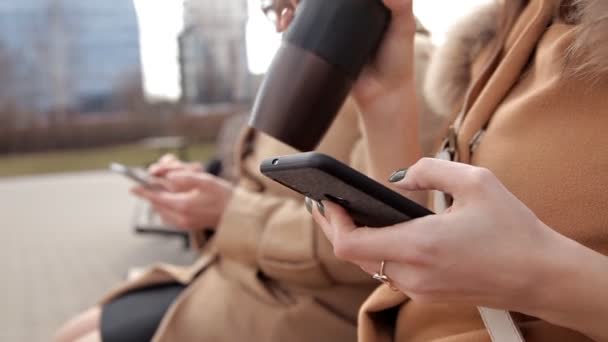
323	52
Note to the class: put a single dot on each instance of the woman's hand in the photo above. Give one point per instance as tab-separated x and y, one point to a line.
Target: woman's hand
384	83
170	163
392	69
488	249
195	200
386	92
285	13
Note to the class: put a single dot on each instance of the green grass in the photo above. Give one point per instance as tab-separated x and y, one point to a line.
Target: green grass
89	159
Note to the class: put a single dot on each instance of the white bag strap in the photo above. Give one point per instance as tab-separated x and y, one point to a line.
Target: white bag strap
500	325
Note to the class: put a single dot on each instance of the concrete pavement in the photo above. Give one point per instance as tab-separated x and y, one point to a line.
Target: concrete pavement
64	241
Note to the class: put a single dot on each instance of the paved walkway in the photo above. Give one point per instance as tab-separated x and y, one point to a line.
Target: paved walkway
64	241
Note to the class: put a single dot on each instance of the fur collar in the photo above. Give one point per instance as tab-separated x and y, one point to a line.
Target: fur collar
592	36
448	74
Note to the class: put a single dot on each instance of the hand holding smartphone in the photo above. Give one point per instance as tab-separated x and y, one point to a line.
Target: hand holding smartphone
321	177
139	176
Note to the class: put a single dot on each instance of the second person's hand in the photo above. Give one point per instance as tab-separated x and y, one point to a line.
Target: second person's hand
195	200
170	163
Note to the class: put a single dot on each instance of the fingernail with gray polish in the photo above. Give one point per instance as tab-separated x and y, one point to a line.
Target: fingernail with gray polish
308	203
321	208
398	176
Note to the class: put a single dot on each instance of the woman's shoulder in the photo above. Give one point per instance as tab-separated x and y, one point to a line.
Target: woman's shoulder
450	69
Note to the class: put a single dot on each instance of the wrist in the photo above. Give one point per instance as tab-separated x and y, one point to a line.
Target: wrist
545	275
393	116
391	131
569	290
395	101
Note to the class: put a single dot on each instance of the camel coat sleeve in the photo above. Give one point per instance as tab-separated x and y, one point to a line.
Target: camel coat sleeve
279	232
278	235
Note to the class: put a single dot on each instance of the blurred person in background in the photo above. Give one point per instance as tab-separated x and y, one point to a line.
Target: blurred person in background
268	273
523	226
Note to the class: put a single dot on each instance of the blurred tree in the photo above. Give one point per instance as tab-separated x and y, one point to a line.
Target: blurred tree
59	54
8	95
129	93
48	68
129	97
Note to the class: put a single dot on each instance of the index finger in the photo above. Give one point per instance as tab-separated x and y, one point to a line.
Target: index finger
158	170
436	174
167	158
409	241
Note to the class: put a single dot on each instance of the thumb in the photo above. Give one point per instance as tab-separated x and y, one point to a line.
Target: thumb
186	181
402	13
434	174
399	7
168	158
337	215
285	19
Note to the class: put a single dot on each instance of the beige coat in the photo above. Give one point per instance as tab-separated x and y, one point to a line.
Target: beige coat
270	274
547	140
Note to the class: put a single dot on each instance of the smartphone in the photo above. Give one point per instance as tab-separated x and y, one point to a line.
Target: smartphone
139	176
322	177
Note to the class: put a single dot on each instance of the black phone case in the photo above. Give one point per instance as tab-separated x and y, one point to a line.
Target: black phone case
321	177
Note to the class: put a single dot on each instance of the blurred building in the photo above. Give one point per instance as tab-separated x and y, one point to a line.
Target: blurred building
70	54
213	53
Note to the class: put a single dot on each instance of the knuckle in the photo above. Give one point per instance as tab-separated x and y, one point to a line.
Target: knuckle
419	168
169	156
426	161
422	164
195	167
342	248
425	249
481	177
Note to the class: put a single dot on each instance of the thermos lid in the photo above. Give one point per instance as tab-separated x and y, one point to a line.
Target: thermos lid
345	33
